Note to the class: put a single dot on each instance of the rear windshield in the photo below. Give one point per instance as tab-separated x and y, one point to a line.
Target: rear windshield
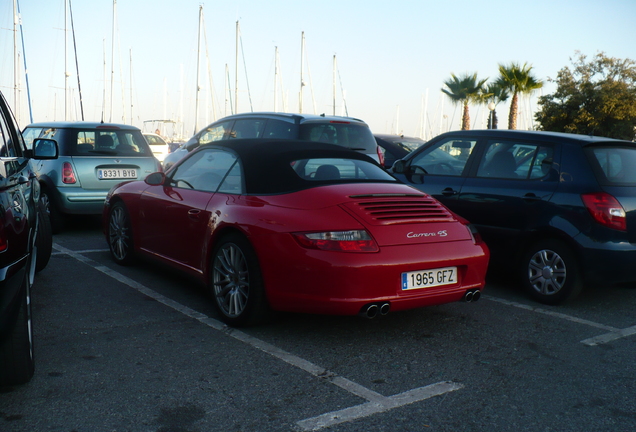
614	165
92	142
333	169
350	135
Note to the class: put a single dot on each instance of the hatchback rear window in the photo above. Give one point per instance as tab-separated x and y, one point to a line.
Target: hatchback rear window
111	143
614	165
350	135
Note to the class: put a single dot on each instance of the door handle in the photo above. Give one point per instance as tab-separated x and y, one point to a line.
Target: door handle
449	191
531	197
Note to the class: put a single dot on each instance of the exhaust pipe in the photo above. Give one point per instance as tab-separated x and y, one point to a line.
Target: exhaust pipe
373	309
471	296
385	308
369	311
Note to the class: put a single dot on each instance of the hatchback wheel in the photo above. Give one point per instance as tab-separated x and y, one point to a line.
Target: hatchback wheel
55	215
120	239
44	239
550	272
236	282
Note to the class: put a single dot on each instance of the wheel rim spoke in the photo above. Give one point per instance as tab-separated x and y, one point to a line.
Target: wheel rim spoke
546	272
118	233
231	280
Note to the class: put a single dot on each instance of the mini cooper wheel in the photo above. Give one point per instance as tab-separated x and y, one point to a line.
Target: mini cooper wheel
56	217
550	272
120	239
236	283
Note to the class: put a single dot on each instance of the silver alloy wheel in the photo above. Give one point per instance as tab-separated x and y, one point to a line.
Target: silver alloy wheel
231	280
119	233
47	203
547	272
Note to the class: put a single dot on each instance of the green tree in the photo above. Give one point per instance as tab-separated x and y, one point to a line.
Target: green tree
495	94
464	90
517	79
595	97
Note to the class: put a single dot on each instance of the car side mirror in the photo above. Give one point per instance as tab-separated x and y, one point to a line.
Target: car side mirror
192	144
399	167
155	179
44	148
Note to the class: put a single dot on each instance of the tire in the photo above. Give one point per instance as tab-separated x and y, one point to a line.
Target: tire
120	240
550	273
16	351
44	239
56	217
236	283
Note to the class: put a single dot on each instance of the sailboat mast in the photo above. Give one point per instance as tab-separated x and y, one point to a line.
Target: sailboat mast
334	84
275	79
302	83
196	103
112	62
236	69
66	74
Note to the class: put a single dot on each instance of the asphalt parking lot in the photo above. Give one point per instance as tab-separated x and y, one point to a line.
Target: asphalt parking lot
140	349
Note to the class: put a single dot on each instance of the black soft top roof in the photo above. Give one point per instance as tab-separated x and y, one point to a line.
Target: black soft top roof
267	165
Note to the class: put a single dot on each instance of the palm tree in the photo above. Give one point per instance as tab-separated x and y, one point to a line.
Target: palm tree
464	90
517	79
495	94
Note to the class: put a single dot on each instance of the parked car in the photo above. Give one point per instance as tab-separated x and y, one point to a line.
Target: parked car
93	158
160	148
344	131
299	226
557	209
394	147
25	245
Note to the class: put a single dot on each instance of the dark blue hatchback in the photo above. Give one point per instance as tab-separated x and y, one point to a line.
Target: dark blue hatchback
558	209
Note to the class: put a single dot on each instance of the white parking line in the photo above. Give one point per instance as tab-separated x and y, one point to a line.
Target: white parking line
613	332
377	403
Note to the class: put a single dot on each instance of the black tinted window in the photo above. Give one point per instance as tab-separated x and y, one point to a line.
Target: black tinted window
614	165
353	136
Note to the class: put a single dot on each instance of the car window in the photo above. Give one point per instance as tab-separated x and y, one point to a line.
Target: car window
447	157
614	165
32	133
155	140
7	148
350	135
248	128
280	129
329	169
206	170
515	160
116	143
216	132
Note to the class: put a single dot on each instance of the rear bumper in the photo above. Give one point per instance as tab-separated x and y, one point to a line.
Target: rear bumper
608	263
80	201
338	283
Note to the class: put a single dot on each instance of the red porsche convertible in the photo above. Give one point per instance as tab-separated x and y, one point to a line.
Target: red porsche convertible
296	226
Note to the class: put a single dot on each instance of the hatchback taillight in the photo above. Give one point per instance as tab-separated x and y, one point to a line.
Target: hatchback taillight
606	210
68	175
380	155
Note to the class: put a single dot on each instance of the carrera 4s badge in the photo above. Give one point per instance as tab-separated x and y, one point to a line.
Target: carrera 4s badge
441	233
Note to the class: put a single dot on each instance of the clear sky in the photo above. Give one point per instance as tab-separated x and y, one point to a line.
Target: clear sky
392	57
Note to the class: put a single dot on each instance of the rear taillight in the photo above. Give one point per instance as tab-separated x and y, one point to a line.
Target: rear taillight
68	175
342	241
380	155
606	210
